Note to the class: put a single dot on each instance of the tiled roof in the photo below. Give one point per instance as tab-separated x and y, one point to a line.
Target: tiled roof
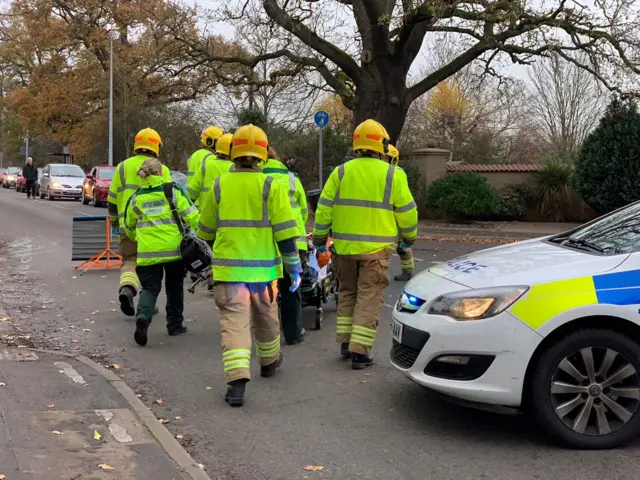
495	167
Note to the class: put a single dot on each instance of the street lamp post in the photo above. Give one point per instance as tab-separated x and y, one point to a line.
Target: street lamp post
111	99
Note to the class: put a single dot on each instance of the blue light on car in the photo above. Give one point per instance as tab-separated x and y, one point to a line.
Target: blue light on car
409	303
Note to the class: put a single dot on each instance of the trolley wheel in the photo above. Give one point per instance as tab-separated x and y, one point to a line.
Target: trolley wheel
319	318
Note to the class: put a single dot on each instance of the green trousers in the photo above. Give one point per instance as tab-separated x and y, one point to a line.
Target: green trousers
151	280
291	306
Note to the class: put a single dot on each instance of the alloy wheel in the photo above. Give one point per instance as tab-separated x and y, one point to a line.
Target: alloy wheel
595	390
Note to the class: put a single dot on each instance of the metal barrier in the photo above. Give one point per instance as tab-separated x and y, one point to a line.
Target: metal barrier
91	244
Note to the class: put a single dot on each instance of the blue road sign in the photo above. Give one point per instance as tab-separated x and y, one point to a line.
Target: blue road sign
321	118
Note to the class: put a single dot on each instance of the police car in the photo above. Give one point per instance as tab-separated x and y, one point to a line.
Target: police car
550	326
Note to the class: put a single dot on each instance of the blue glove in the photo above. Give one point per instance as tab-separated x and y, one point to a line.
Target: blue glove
321	249
115	231
404	245
295	281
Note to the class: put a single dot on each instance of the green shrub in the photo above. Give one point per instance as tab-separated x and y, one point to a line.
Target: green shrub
414	177
515	201
553	192
463	196
607	173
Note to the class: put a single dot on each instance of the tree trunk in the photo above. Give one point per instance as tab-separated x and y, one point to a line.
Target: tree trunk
382	96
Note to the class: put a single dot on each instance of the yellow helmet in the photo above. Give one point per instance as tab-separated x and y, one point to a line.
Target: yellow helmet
371	135
210	135
394	155
223	145
250	141
147	139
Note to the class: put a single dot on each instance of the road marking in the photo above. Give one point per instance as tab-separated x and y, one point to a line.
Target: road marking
58	206
387	305
71	373
117	431
82	213
107	415
17	356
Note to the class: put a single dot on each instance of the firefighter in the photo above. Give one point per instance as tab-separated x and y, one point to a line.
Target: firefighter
208	141
249	221
402	249
291	302
212	167
124	184
364	203
150	222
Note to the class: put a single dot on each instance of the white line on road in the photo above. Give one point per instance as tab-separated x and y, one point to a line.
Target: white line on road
82	213
387	305
70	372
57	206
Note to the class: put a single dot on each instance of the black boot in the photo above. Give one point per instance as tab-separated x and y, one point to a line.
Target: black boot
270	370
141	331
300	338
344	350
126	301
403	277
235	392
359	361
177	330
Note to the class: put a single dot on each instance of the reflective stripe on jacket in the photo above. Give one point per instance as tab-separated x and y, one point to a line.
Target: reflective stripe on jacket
245	216
364	203
125	183
202	180
297	196
149	221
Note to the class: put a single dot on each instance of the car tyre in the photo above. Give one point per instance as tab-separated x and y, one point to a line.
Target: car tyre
49	195
85	199
543	401
94	200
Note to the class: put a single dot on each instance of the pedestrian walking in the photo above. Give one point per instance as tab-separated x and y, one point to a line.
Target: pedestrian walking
249	222
151	223
290	162
291	302
124	184
30	174
403	250
208	140
363	204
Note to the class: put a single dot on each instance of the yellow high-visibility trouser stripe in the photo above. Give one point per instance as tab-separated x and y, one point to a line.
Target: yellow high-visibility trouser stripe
363	335
344	325
236	358
268	349
130	278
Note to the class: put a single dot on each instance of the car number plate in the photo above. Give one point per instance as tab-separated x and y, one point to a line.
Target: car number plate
396	331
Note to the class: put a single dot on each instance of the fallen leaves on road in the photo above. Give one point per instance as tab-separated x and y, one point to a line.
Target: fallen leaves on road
178	418
4	319
86	329
56	432
179	436
113	310
2	384
104	466
313	468
2	477
115	366
60	371
112	301
164	421
438	238
75	341
96	435
209	388
159	401
200	466
97	311
74	277
51	406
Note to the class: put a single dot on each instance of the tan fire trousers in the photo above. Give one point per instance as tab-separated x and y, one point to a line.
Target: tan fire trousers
128	249
245	308
363	279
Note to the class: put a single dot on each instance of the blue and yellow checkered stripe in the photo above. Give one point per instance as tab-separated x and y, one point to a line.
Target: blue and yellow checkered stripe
546	300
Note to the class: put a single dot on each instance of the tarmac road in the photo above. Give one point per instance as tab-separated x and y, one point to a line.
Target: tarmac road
373	424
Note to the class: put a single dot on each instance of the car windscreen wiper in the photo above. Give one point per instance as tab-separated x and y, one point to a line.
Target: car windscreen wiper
584	244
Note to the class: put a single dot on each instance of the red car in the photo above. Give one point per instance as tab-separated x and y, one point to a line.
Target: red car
95	187
21	183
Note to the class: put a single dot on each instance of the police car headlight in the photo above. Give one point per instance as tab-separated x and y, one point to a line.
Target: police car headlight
476	304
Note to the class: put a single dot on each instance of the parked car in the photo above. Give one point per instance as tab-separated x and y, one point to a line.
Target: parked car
21	183
62	180
2	173
95	187
549	326
10	177
38	181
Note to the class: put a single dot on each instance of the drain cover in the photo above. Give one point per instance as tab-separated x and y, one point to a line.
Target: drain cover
17	355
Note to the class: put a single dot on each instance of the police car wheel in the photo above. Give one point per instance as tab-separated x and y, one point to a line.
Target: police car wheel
585	389
319	319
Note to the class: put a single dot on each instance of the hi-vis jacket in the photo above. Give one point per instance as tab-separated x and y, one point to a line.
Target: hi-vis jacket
124	184
297	196
149	221
246	215
202	180
364	203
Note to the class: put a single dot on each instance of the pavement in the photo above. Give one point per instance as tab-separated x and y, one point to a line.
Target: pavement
316	412
496	230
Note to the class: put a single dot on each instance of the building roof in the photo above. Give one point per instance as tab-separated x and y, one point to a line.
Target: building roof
495	167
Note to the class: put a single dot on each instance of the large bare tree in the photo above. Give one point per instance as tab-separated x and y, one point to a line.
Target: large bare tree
364	49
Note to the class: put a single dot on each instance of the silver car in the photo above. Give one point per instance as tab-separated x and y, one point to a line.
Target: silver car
61	180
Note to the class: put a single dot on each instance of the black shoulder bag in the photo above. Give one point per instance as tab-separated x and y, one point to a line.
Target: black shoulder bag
194	251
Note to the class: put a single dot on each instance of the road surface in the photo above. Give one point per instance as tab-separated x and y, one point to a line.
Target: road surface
372	424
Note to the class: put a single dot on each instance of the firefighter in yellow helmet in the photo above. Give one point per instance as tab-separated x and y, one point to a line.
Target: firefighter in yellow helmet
125	183
207	150
212	167
365	203
248	219
402	249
